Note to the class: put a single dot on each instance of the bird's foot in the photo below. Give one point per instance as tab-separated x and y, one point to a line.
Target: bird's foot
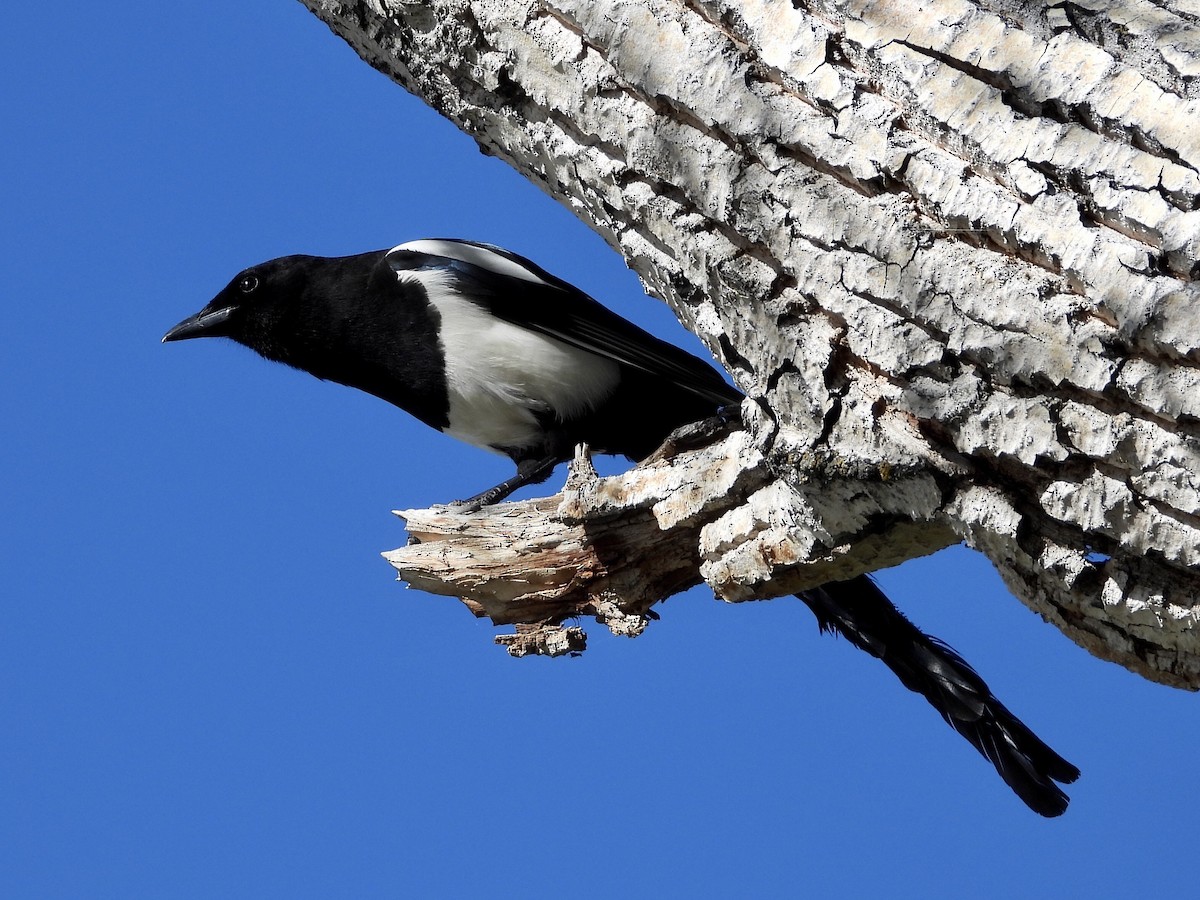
479	501
531	471
695	435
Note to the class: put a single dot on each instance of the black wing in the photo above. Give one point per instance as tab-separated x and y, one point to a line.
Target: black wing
520	292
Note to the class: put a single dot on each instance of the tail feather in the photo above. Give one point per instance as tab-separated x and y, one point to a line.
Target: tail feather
860	612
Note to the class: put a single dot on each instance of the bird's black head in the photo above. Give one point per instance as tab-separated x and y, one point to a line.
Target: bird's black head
287	309
252	305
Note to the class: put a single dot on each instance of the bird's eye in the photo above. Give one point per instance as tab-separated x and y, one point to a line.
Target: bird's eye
247	283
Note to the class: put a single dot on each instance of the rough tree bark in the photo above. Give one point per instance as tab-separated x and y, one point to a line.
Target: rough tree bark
949	249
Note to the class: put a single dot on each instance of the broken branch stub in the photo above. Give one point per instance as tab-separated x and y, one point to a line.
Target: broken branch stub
611	548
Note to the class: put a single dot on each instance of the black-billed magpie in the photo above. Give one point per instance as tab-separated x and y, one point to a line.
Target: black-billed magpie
488	347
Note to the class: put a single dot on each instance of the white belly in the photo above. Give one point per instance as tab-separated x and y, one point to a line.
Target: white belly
500	377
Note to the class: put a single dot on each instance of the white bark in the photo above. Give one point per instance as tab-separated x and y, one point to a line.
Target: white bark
949	249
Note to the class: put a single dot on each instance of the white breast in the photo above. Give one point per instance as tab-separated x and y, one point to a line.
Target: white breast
500	376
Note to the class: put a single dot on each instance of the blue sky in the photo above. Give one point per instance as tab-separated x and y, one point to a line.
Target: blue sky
211	685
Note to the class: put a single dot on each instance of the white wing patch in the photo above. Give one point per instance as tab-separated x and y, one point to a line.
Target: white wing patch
476	256
500	376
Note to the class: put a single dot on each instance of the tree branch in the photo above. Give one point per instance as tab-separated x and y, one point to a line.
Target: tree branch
956	241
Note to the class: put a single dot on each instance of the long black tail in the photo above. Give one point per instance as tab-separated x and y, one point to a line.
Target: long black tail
860	612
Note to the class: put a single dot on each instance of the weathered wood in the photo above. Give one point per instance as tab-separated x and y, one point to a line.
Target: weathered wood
950	250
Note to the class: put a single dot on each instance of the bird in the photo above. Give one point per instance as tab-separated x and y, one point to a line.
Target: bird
485	345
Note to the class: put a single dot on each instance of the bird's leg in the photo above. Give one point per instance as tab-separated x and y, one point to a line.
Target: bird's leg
529	471
695	435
